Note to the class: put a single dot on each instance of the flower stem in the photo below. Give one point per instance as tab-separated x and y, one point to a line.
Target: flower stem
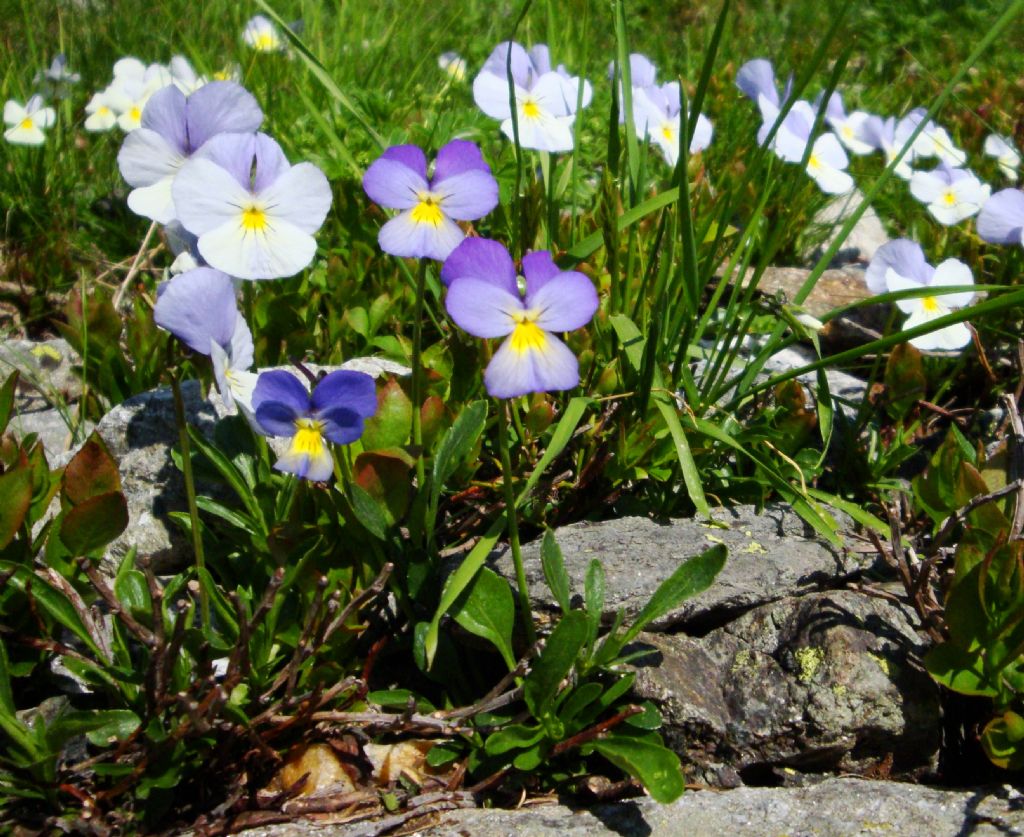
417	340
513	528
190	492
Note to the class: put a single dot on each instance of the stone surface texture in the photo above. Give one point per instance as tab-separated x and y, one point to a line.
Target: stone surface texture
864	239
823	682
771	555
836	807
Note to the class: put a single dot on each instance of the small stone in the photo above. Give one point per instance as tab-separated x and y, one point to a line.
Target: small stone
323	767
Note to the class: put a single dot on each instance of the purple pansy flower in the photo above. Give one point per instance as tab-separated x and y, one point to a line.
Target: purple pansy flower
334	412
484	299
900	266
462	189
254	213
173	127
1001	220
199	308
545	97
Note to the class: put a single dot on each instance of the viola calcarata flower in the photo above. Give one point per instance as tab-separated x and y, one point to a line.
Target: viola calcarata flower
900	265
334	412
951	195
1005	154
453	64
461	189
253	212
484	299
1001	220
545	98
656	113
827	161
27	121
847	126
172	128
260	34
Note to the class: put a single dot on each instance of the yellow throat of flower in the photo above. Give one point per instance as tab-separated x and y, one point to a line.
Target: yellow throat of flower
26	123
427	211
931	305
265	42
254	218
308	439
135	113
527	335
813	162
531	110
948	198
668	132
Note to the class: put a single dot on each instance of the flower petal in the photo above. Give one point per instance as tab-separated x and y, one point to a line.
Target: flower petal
949	273
354	391
469	195
1001	220
198	306
14	112
394	184
894	283
905	257
567	302
288	393
482	308
539	268
951	338
155	201
483	259
238	153
456	157
341	425
316	467
757	78
301	196
220	107
402	236
547	367
165	114
206	195
497	64
280	249
490	92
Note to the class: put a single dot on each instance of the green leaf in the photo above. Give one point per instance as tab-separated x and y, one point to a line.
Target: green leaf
531	759
554	569
455	445
102	727
232	476
15	498
593	597
693	577
581	697
654	765
555	662
91	472
7	400
1003	741
487	609
93	523
367	512
235	518
459	581
19	732
514	737
384	474
958	670
52	601
391	425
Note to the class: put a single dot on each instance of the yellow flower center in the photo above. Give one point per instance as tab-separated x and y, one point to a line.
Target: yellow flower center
135	113
103	110
26	123
668	132
308	438
254	218
813	162
427	211
531	110
527	335
931	305
265	42
948	198
847	132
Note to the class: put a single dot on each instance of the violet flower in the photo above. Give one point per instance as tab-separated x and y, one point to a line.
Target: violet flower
1001	220
254	213
900	266
847	126
334	412
951	195
173	128
827	161
656	113
461	189
484	299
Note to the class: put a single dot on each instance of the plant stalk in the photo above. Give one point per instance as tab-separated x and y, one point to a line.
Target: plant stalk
417	350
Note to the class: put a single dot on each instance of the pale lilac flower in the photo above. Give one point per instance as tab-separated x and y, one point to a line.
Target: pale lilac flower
847	126
58	72
900	266
1005	154
102	116
27	122
827	161
642	73
260	34
183	76
656	113
334	412
484	299
172	128
461	189
199	308
756	79
951	195
254	213
1001	220
545	98
453	64
889	137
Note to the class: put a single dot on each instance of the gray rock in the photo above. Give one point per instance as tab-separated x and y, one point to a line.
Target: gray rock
53	427
826	681
864	239
833	808
47	371
848	391
771	555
